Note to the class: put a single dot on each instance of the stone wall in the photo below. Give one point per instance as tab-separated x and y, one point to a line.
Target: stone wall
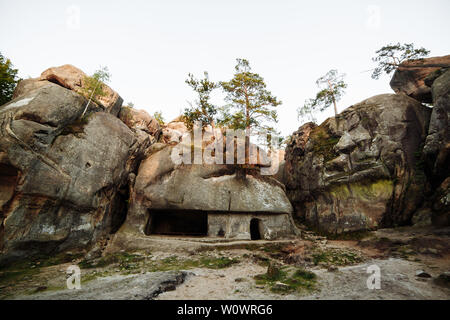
237	225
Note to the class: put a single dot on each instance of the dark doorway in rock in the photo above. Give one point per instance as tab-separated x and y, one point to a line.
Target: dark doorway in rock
255	232
177	222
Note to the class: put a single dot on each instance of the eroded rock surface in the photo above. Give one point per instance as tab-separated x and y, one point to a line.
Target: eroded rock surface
409	78
163	185
62	175
361	172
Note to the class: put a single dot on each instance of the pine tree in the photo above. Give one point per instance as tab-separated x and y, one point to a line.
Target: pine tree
251	105
332	87
391	56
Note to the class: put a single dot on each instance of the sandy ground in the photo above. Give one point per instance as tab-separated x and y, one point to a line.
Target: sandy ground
398	281
398	253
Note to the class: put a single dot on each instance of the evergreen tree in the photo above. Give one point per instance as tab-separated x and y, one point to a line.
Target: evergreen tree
332	88
203	110
8	79
251	105
391	56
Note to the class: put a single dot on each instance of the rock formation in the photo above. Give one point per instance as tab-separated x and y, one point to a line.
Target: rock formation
382	162
63	178
68	180
214	190
360	170
409	78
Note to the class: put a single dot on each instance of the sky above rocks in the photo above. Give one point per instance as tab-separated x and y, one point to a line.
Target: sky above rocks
151	46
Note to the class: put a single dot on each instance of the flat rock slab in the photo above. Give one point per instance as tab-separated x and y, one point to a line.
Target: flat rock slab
145	286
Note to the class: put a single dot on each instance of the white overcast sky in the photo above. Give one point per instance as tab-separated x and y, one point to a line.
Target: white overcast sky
151	46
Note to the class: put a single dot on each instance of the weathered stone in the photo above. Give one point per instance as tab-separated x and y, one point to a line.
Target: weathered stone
410	75
361	172
72	78
62	174
140	120
26	85
422	274
437	143
173	131
163	185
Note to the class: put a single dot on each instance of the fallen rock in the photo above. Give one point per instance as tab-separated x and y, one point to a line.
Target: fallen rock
26	85
409	78
140	120
280	286
422	274
118	287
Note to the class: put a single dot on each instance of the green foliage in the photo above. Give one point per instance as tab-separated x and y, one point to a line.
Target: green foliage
391	56
332	88
305	113
130	104
159	117
335	256
93	86
8	79
251	105
203	110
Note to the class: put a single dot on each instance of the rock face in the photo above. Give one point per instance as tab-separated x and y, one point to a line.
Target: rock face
364	171
427	82
437	144
173	131
230	203
61	177
140	120
409	78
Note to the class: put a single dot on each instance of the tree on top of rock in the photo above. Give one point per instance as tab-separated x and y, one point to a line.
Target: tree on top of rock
203	111
8	80
332	87
391	56
93	86
159	117
251	105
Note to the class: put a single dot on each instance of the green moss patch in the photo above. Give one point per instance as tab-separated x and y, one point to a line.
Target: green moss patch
323	143
335	256
288	280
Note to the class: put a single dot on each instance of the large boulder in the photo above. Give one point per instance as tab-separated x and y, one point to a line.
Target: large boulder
72	78
173	132
163	185
361	170
409	78
63	179
140	120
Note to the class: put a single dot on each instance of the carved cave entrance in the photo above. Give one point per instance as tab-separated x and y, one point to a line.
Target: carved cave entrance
177	222
255	230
